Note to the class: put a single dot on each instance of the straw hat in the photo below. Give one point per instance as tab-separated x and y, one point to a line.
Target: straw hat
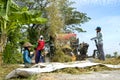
27	44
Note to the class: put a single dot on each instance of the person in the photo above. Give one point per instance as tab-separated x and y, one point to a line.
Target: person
27	58
99	44
40	47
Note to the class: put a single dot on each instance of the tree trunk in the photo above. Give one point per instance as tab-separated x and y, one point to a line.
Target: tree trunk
3	41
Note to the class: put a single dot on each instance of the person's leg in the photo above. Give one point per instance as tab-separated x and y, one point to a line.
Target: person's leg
41	57
37	57
102	51
100	47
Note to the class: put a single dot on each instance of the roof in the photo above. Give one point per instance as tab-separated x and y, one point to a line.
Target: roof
66	36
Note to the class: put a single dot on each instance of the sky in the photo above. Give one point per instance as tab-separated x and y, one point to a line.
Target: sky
103	13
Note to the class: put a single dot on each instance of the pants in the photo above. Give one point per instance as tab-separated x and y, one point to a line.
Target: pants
39	57
101	51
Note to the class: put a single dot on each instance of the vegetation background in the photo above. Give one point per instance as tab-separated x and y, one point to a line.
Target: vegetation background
26	20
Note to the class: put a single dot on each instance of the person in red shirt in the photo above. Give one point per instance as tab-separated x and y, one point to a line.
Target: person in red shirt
40	47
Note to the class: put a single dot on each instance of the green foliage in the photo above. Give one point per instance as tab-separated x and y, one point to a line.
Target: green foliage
12	15
115	54
61	17
14	36
32	35
73	18
27	17
108	56
11	56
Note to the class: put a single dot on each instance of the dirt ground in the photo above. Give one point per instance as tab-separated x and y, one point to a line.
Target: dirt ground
103	75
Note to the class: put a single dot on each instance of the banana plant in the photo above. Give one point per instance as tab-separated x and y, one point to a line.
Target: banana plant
11	15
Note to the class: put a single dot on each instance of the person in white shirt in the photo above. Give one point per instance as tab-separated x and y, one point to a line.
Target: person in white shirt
99	44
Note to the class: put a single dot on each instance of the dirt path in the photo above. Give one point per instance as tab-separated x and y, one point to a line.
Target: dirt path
104	75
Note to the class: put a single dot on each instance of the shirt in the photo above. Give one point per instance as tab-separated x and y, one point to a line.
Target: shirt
41	44
98	38
26	57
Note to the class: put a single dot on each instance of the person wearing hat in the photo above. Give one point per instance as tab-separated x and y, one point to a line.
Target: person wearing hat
99	44
27	58
39	49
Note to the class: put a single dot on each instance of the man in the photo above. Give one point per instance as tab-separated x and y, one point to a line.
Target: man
99	43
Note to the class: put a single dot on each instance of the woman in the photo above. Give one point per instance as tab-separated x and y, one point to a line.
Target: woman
27	58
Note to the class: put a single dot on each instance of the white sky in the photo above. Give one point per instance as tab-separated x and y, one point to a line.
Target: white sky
104	13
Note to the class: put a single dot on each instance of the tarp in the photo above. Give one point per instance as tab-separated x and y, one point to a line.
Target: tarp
52	66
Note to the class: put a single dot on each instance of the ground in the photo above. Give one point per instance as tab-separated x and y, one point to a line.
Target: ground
89	73
102	75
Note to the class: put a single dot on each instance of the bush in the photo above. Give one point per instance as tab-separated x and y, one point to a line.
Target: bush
108	56
11	55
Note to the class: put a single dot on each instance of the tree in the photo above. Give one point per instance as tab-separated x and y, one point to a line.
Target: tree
115	54
36	29
61	18
108	56
12	16
73	18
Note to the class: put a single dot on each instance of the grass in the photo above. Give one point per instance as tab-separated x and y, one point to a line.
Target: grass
5	69
114	61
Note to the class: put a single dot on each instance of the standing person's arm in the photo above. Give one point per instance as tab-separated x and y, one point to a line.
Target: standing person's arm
99	36
93	38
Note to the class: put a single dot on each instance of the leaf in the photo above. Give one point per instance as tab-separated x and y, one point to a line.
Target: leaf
27	17
24	9
79	29
38	20
14	7
2	1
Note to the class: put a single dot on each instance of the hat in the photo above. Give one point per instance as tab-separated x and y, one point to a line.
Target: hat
27	44
98	28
